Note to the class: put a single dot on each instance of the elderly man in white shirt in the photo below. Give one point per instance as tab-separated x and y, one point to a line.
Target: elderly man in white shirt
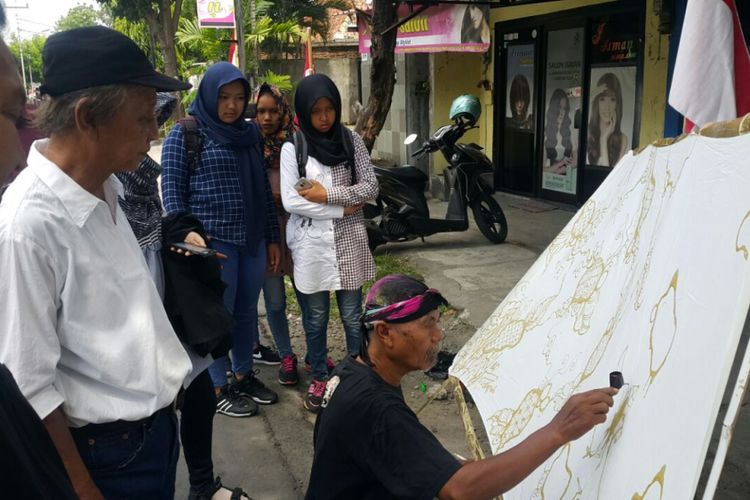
82	327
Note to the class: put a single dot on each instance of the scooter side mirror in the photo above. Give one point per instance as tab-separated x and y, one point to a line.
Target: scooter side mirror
410	139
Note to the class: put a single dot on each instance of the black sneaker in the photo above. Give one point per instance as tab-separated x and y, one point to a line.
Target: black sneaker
254	389
266	356
230	403
288	370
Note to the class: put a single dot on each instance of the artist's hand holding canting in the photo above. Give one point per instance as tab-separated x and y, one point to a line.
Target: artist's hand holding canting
316	194
582	412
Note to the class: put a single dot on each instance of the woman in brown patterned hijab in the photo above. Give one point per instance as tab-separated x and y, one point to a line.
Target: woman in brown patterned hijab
274	119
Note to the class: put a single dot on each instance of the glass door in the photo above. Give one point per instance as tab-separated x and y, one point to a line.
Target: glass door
515	105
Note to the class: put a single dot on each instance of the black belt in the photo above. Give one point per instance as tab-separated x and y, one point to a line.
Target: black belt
119	426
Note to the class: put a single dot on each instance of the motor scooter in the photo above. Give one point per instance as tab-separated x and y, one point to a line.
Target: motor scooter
400	212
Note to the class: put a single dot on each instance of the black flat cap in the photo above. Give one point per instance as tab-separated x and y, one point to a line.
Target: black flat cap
94	56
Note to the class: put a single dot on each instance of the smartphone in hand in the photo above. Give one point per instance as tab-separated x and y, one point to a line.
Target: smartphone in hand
303	184
195	249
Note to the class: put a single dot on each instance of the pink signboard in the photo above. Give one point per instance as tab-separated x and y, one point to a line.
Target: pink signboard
216	13
440	28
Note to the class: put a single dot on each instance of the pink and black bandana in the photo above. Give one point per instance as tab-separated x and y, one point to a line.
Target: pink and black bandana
382	302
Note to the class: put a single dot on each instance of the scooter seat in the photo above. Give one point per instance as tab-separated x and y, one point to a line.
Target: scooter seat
407	173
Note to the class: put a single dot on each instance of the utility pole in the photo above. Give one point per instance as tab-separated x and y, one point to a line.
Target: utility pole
20	44
20	49
240	30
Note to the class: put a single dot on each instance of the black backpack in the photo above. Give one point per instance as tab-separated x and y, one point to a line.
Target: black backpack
300	148
192	141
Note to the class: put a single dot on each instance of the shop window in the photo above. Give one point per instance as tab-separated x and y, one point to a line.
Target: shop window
563	90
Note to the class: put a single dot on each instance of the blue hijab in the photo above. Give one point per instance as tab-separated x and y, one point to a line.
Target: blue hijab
243	138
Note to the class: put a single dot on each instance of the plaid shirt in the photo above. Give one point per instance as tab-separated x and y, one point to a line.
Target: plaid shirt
212	191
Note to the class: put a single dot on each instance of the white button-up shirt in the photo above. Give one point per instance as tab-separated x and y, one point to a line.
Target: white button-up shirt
81	322
309	232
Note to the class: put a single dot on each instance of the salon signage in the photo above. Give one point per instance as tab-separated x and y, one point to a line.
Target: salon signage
216	13
613	43
440	28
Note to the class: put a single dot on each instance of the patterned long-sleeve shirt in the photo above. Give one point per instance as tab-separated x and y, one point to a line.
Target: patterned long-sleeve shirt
212	191
329	249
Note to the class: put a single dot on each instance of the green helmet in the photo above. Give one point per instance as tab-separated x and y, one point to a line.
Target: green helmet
467	107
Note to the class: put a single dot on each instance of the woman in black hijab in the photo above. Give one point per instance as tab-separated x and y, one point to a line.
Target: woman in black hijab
326	232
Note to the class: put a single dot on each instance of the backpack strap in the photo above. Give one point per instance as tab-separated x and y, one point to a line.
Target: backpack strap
192	141
300	148
348	141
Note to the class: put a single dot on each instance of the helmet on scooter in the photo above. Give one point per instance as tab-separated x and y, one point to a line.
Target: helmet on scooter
467	107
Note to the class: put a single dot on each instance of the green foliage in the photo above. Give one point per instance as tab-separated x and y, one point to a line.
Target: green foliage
133	10
138	32
198	44
79	16
283	82
311	14
281	31
32	55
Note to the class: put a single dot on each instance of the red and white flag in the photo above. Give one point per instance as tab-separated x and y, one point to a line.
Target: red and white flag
234	53
711	80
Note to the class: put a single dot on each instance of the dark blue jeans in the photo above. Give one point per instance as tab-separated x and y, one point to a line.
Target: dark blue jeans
132	459
315	310
243	274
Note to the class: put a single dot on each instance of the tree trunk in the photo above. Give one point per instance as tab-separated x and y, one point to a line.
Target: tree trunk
382	72
164	25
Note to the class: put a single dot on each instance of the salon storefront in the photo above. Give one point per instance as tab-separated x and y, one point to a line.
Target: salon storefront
568	98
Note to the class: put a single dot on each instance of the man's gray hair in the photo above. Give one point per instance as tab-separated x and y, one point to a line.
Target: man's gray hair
56	115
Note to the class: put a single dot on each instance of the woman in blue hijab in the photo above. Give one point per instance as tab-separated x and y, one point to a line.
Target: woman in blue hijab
226	187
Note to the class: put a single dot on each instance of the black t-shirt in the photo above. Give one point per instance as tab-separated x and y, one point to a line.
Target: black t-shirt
370	445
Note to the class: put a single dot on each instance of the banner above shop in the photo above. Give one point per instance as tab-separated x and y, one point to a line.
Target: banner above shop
442	28
216	13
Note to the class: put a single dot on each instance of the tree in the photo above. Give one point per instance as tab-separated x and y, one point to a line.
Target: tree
32	55
308	13
213	44
162	19
79	16
382	71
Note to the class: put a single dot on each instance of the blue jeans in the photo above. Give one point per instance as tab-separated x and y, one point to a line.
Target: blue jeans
243	274
132	459
315	309
274	295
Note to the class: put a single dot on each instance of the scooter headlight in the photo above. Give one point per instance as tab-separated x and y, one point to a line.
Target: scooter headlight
455	158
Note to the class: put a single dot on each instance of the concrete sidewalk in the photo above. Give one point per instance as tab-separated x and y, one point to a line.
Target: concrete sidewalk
270	455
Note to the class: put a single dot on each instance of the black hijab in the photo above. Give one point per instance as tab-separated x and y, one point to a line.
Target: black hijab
327	148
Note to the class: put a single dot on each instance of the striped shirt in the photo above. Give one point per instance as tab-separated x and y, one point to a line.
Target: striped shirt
213	190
